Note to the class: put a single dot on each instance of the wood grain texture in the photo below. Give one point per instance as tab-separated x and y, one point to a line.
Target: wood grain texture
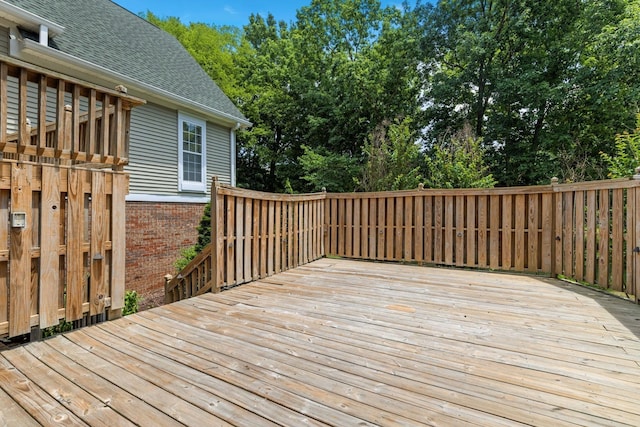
75	237
98	289
118	239
49	247
20	252
340	342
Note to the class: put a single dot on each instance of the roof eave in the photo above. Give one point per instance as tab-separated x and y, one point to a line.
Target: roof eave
28	20
28	49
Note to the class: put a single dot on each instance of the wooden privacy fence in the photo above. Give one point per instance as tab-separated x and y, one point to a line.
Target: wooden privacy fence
62	230
68	259
254	235
586	231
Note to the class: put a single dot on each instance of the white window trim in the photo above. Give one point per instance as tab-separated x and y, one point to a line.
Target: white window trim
192	185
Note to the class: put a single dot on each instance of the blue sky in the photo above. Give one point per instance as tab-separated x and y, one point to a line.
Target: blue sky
221	12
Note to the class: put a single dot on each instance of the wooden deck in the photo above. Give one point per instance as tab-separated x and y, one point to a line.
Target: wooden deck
344	343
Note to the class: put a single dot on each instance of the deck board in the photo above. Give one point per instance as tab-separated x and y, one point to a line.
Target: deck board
340	342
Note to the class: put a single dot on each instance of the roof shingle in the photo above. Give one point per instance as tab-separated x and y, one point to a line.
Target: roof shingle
106	34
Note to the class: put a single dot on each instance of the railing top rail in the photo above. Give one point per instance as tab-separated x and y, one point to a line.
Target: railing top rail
227	190
15	63
550	188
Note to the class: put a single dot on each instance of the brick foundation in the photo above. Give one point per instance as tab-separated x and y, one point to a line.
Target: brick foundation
156	233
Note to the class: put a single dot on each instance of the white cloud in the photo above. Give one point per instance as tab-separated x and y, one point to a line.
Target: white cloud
230	10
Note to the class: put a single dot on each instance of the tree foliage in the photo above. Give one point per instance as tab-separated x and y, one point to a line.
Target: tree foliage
626	157
354	95
458	162
393	159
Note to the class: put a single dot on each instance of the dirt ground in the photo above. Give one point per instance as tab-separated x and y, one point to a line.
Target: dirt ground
151	300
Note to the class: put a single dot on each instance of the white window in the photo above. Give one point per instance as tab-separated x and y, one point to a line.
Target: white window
192	156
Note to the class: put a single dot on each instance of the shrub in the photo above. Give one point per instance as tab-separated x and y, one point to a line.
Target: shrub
131	301
61	327
627	154
186	255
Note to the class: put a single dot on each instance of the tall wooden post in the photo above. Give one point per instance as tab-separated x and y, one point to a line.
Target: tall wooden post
216	237
635	285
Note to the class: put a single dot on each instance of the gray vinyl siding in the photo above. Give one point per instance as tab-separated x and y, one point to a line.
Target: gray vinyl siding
218	153
153	143
153	150
32	103
153	157
4	41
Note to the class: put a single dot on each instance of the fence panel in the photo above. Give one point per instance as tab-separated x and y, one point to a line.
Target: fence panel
584	231
254	235
59	263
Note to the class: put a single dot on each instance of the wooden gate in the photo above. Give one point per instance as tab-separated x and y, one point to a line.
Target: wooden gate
66	261
63	145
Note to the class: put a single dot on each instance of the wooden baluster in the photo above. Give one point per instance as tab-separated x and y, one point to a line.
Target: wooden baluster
42	115
24	129
90	132
3	105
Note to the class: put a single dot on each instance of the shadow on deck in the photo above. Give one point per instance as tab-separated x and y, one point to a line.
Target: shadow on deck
342	343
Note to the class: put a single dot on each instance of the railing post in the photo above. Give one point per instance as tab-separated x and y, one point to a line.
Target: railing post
325	226
216	237
636	235
65	154
167	296
556	247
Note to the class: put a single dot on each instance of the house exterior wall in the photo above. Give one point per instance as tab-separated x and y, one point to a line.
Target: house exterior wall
156	234
4	41
153	152
218	154
157	230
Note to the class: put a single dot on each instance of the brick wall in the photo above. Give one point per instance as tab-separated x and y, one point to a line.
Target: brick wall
156	233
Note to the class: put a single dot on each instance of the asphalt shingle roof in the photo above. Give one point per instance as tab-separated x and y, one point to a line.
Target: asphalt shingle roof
104	33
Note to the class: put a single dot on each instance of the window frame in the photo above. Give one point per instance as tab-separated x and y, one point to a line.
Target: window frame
185	185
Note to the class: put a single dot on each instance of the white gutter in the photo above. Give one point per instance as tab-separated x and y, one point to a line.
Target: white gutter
22	48
29	20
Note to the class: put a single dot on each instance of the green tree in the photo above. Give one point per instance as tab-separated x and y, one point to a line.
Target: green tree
534	79
626	158
213	47
458	162
323	169
393	159
268	151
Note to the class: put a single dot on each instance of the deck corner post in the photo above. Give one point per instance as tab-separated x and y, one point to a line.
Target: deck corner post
635	236
216	238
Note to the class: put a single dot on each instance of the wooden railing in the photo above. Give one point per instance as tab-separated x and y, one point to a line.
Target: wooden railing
50	118
586	231
192	280
258	234
62	211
